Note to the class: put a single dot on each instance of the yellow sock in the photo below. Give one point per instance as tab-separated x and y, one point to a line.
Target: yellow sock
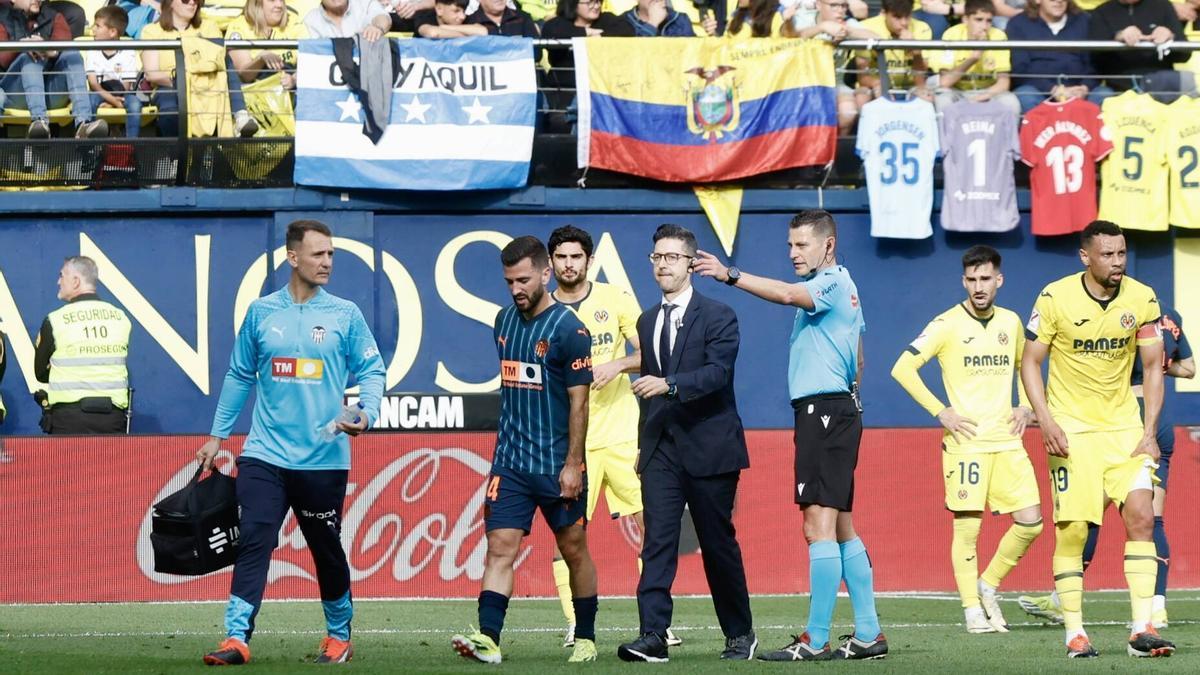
1067	565
962	558
562	579
1141	573
1013	546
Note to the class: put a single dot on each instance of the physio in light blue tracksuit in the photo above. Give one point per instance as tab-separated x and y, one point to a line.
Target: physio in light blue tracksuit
299	345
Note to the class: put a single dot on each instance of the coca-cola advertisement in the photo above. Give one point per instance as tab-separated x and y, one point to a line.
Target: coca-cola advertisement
76	517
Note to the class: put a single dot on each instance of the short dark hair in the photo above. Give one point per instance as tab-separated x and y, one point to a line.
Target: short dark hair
670	231
898	8
568	234
820	220
981	255
972	6
462	4
114	16
298	228
524	247
1095	229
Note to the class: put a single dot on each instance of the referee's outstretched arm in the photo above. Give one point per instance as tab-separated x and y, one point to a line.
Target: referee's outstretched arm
780	292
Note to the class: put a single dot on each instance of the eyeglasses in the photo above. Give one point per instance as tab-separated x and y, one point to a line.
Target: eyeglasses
669	258
837	5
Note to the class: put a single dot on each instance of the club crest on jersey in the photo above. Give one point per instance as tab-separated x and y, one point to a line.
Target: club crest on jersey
1128	321
1002	338
601	316
714	107
540	349
318	334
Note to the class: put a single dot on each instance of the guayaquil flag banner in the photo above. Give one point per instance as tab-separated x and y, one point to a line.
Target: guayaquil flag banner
462	118
700	110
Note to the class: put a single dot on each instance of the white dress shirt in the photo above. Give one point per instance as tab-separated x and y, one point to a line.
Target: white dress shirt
681	303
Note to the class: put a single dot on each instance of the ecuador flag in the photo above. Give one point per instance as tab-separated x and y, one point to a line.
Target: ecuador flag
700	110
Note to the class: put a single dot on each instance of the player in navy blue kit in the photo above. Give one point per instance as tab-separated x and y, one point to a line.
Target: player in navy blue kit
545	374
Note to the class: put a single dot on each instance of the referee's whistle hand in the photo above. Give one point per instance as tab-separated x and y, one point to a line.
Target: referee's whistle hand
707	265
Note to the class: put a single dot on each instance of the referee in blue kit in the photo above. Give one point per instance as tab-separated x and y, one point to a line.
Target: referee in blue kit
298	345
824	369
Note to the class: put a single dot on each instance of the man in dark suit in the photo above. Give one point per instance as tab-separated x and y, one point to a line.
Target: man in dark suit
692	450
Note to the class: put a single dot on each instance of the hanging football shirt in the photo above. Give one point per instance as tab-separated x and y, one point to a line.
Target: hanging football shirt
1133	181
1183	155
980	145
1061	142
898	142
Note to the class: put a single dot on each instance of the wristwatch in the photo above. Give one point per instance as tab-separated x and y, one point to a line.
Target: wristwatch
671	389
733	275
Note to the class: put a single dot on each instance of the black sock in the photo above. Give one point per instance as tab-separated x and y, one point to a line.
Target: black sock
492	608
585	617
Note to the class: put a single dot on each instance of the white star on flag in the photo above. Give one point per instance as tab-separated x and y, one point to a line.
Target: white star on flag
478	112
416	109
350	107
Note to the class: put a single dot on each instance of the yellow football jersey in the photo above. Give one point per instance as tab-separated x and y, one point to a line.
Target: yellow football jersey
899	63
1134	178
980	360
1183	155
1092	347
610	315
239	29
979	76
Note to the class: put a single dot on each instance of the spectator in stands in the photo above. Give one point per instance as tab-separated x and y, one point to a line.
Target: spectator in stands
113	75
179	18
831	23
574	18
1187	11
447	19
1057	74
906	68
347	18
29	75
500	19
759	18
403	13
937	13
979	75
651	18
1133	21
261	20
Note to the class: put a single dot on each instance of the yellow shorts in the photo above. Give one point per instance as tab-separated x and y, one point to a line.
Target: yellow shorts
1099	465
613	468
1003	480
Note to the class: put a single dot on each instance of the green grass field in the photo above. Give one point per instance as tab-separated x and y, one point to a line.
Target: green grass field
924	633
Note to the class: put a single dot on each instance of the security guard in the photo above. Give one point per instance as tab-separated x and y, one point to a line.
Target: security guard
81	352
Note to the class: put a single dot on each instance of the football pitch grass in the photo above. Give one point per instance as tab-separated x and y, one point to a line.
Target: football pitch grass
923	631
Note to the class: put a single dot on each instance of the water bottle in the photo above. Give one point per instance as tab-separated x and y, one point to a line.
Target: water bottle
349	414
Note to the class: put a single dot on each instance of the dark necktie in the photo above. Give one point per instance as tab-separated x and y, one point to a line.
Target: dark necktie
664	339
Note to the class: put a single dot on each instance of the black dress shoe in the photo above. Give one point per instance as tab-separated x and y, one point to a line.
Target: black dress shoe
650	647
740	648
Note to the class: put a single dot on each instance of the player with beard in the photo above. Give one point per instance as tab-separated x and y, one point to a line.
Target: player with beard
545	376
978	347
1091	325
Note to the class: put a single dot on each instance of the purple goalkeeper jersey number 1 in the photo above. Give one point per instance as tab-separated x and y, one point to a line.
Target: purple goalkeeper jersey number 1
980	144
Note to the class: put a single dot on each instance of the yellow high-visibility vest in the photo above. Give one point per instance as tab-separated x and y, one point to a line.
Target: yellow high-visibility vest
91	345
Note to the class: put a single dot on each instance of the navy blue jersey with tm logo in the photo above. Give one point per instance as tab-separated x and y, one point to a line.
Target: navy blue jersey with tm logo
539	359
